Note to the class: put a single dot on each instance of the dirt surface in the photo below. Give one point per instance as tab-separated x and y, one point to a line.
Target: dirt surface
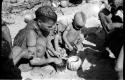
48	72
15	20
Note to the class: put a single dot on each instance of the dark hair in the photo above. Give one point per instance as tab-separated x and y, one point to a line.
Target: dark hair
45	13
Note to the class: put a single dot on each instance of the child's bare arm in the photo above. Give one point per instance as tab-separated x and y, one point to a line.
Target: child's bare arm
65	37
31	42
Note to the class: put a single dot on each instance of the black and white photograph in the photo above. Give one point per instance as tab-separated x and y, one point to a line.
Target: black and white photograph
62	40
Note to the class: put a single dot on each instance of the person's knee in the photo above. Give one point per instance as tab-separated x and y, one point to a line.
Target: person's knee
16	50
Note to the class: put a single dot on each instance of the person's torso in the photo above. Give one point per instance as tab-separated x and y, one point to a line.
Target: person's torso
72	35
41	41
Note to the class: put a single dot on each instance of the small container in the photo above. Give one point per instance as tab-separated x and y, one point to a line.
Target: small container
73	63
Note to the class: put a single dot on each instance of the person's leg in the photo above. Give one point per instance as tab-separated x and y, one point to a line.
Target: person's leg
16	51
43	60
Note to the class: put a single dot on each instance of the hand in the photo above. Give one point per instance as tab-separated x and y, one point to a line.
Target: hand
70	48
80	40
32	50
58	61
57	53
26	54
80	47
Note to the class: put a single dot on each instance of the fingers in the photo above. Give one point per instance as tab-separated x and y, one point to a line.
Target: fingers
70	48
65	58
27	54
47	53
58	54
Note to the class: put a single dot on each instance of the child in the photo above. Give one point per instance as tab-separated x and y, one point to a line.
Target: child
72	32
34	36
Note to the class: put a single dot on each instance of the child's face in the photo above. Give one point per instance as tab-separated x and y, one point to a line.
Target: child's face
47	25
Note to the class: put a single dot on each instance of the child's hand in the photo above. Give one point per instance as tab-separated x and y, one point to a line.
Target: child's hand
58	61
58	54
79	41
32	50
81	38
70	48
80	47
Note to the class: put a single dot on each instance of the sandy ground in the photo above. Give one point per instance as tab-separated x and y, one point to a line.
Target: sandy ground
48	72
89	9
